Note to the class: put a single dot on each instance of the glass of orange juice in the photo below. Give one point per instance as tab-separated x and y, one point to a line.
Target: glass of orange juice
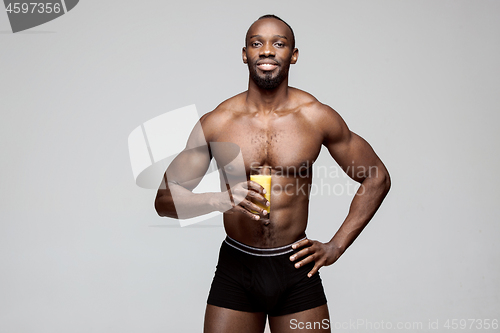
262	176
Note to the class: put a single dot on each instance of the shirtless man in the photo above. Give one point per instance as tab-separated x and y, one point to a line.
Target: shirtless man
267	266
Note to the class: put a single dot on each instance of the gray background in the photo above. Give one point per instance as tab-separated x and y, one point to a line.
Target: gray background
81	247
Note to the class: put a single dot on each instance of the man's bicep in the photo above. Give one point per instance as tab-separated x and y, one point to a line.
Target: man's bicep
355	156
189	167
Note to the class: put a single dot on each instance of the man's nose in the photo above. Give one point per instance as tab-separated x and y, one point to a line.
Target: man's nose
267	50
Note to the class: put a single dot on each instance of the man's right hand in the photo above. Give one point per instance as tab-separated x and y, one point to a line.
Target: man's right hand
244	197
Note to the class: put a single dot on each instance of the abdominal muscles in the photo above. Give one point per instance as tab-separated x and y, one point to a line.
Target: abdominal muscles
288	218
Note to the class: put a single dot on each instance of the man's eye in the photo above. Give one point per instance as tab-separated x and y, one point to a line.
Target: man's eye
279	44
256	44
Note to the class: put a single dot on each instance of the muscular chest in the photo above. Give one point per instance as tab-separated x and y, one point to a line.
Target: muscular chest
278	141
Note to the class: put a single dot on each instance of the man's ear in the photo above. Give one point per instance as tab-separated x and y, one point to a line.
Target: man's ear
244	55
295	56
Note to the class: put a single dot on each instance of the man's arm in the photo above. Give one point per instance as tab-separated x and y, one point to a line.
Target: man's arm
357	158
175	198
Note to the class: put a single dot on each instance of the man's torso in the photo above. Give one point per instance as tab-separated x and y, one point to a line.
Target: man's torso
289	140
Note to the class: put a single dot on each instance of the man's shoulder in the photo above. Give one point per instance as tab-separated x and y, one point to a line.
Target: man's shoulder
216	119
225	108
322	117
312	108
233	104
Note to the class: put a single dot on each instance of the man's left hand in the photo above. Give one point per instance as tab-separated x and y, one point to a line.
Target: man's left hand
323	254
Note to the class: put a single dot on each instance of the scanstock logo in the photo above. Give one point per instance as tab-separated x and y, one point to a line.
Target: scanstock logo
28	14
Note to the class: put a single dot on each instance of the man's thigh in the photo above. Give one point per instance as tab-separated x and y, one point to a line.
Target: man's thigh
222	320
312	320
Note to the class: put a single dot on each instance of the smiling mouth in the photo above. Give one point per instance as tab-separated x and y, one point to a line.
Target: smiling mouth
266	67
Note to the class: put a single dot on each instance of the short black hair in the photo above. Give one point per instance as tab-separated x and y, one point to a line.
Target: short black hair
280	19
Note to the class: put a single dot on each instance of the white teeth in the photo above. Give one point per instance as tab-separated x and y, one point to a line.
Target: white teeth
267	66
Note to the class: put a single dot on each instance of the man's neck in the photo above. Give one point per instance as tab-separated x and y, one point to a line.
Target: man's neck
264	100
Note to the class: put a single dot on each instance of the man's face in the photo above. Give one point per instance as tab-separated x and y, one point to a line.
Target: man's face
269	52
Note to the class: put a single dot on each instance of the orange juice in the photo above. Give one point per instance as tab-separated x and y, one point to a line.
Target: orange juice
265	182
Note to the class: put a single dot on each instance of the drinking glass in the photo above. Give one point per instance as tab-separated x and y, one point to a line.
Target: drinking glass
262	176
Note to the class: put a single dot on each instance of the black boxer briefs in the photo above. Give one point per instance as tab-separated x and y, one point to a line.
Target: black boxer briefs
263	280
